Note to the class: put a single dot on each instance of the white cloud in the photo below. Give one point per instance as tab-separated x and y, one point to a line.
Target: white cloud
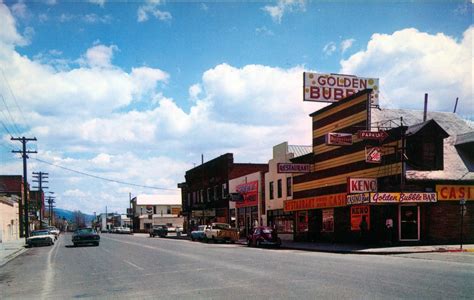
194	91
19	9
100	55
411	63
151	8
8	33
264	31
346	44
329	48
283	6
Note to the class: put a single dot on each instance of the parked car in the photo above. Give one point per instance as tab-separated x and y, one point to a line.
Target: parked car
40	237
126	230
85	236
199	233
159	230
221	232
54	231
263	236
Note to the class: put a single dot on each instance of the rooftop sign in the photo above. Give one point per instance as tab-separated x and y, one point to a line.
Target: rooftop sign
335	87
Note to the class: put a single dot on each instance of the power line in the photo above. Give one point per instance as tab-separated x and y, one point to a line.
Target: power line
11	117
14	98
5	126
103	178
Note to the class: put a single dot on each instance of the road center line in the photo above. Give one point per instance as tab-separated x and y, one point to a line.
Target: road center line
133	265
49	273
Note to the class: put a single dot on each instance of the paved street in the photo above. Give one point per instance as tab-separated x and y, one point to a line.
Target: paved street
137	266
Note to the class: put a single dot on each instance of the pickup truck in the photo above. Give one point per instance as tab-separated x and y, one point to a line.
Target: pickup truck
220	232
159	230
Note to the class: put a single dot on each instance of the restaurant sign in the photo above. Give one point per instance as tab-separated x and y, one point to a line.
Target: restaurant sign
339	139
335	87
361	185
402	197
325	201
455	192
293	168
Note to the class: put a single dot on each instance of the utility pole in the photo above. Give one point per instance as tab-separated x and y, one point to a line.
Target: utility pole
50	200
39	178
25	224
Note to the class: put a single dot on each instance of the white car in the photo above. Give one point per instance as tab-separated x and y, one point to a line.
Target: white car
40	237
54	231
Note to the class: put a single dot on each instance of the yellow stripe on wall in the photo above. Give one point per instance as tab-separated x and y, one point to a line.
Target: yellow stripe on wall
342	123
381	171
340	108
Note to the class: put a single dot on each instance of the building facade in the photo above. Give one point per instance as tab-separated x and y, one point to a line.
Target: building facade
377	176
279	188
249	210
149	210
9	220
206	189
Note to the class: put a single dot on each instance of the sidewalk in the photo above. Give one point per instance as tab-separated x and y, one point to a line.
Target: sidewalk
11	249
361	249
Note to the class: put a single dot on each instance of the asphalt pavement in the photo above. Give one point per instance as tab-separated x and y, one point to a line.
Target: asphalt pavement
126	266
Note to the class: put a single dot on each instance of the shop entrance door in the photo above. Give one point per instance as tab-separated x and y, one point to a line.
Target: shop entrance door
409	217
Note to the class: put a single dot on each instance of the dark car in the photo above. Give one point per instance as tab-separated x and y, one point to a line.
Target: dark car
159	230
85	236
263	236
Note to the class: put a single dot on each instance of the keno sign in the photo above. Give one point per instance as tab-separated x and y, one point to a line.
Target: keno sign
335	87
361	185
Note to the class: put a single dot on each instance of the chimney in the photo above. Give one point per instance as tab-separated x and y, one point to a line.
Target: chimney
425	110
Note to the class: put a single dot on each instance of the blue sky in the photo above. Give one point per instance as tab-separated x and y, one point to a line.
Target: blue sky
137	91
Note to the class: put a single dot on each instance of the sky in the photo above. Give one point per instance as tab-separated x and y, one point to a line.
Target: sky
136	91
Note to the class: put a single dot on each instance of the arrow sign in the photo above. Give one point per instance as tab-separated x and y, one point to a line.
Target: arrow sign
372	135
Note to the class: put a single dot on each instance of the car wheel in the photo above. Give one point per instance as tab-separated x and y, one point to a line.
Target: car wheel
258	243
249	243
51	242
96	244
213	239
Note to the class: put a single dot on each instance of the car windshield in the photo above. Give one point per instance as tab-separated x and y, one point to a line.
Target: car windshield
39	232
85	231
202	228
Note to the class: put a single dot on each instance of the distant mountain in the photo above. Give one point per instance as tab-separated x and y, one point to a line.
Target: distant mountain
69	215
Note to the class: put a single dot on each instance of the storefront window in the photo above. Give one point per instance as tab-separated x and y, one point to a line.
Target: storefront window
284	224
302	221
328	220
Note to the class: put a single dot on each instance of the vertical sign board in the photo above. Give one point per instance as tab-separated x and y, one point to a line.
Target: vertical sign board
357	212
335	87
328	220
249	192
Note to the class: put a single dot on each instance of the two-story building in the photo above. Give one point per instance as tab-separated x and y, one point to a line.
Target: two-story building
278	187
205	191
149	210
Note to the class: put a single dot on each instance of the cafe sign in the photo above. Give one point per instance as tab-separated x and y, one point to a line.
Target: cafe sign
335	87
339	139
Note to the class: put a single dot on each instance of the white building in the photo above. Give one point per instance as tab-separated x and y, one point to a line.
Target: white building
278	188
149	210
9	220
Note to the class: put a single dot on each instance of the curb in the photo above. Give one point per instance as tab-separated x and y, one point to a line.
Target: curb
12	256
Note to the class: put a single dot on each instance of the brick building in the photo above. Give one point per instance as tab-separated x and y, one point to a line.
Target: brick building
205	191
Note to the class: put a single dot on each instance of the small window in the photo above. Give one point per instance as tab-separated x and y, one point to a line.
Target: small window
279	188
224	190
271	189
209	194
201	192
288	186
216	192
168	210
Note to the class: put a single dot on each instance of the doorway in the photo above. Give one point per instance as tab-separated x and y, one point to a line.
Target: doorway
409	220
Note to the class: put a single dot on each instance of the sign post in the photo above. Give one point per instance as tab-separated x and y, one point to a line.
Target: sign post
462	202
